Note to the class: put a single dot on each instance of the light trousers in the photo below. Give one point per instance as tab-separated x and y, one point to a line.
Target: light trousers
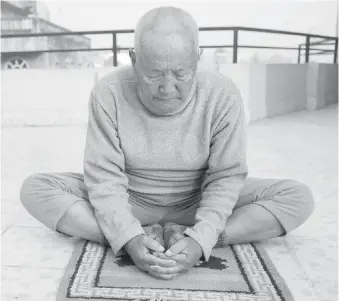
47	196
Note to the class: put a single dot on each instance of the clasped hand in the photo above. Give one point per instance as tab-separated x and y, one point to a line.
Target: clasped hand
149	256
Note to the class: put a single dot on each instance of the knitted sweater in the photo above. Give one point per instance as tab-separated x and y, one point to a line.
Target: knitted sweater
198	151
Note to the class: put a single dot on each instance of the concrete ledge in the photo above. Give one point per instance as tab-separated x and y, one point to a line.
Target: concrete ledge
43	118
60	97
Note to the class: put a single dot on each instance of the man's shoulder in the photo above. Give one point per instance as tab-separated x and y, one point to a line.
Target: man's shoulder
108	88
115	77
219	91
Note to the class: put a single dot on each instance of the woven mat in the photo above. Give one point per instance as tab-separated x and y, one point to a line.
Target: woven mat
238	272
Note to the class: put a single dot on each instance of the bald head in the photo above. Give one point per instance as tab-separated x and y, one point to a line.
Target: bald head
165	59
166	23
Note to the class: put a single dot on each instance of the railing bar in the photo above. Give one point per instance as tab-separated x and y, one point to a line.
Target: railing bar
71	33
321	53
127	48
283	32
235	45
278	47
299	54
115	52
216	46
320	43
60	50
307	54
335	56
121	31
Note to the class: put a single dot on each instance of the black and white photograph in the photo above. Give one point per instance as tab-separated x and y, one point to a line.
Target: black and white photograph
169	150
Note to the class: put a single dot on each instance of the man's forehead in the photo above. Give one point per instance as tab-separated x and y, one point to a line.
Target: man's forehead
165	60
164	63
158	42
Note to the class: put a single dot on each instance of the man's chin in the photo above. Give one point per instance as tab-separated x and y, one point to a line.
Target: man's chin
163	111
165	107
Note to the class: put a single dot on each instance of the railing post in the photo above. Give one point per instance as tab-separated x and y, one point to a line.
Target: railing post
115	52
307	54
235	46
299	54
335	50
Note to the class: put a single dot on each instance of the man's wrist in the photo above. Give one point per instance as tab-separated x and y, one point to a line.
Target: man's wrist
129	244
197	245
199	239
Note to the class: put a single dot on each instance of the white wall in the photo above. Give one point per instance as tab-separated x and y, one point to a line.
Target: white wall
240	75
257	92
49	97
328	83
286	88
46	96
322	85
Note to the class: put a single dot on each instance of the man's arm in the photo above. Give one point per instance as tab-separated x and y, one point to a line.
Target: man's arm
104	167
226	173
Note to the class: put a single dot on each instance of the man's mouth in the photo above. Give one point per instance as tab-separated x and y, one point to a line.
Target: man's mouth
165	98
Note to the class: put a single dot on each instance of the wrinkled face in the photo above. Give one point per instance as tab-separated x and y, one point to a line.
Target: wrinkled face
166	66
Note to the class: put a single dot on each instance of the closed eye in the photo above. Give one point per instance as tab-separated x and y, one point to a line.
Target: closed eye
181	74
154	76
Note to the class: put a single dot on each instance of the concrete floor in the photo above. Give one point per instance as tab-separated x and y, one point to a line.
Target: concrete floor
302	146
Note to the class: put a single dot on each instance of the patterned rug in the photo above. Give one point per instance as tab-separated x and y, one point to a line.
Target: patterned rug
238	272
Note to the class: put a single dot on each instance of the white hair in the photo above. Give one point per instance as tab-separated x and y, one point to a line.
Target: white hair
166	21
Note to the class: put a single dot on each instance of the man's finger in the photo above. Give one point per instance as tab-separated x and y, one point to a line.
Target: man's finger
152	244
179	258
162	276
166	271
161	255
177	248
153	260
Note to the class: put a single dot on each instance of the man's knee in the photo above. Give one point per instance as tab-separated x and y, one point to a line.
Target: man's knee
301	199
29	189
290	201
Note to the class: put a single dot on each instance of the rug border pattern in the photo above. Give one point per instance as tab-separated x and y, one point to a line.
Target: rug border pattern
76	287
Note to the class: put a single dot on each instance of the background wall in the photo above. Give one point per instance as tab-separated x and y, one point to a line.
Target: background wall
328	83
60	97
286	88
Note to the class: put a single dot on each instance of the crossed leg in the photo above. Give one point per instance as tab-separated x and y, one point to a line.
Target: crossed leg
60	201
266	208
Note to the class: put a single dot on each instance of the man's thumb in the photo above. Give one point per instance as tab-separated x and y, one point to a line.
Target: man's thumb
177	248
152	244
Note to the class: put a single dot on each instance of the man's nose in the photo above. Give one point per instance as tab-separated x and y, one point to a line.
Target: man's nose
167	86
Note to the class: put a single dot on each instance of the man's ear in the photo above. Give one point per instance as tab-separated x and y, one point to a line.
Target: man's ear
131	53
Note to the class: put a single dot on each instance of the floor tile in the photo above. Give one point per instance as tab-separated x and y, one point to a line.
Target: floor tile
296	280
29	284
318	257
326	291
35	247
14	214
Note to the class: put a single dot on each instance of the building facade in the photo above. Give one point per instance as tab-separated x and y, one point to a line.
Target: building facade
22	17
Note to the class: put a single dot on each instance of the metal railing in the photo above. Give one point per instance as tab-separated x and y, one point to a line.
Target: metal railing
322	42
307	46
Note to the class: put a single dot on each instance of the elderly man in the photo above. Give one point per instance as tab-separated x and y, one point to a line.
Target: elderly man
165	174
